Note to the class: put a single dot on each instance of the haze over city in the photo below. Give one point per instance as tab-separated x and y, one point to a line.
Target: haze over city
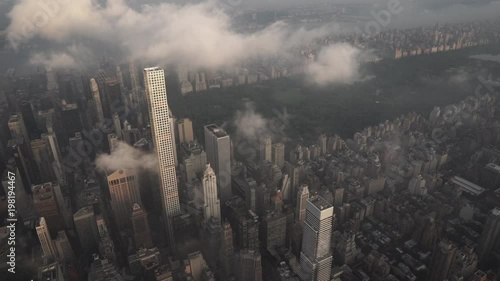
250	140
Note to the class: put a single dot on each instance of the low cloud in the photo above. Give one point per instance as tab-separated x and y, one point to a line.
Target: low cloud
127	157
337	63
249	124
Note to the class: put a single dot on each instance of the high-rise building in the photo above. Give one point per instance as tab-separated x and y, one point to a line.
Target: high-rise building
17	128
490	239
48	248
226	250
112	142
97	101
315	258
273	230
442	259
43	159
322	142
47	205
51	272
140	227
248	265
86	228
218	148
173	130
197	265
124	191
194	160
278	154
51	139
162	138
185	127
211	203
26	110
265	149
63	247
117	124
300	210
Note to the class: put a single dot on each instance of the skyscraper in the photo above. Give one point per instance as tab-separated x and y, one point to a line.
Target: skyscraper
124	191
159	118
302	196
211	203
265	149
185	127
63	247
442	258
315	258
490	239
48	248
43	160
218	148
46	205
86	227
17	128
97	101
140	226
226	250
51	139
278	154
248	265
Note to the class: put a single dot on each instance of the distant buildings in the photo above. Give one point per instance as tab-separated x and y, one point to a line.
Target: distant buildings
490	239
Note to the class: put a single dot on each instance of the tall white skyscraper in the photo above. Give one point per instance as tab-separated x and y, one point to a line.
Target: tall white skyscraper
302	196
48	247
218	148
97	101
211	207
156	92
315	258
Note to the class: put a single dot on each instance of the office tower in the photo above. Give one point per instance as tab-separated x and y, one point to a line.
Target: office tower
417	186
86	228
102	269
302	198
140	227
26	110
63	247
218	148
442	258
322	142
48	247
278	154
163	273
101	226
464	264
248	265
185	128
265	149
43	159
194	160
244	223
131	136
315	258
112	142
51	272
119	76
273	230
113	96
70	118
197	265
18	129
211	203
345	247
156	92
47	205
490	238
117	125
51	139
18	151
338	196
226	249
124	191
172	132
97	101
51	80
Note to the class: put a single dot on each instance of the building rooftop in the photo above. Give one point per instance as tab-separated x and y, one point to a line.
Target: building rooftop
320	203
216	130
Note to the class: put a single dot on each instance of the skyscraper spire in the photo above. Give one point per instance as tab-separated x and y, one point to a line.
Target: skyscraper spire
211	207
